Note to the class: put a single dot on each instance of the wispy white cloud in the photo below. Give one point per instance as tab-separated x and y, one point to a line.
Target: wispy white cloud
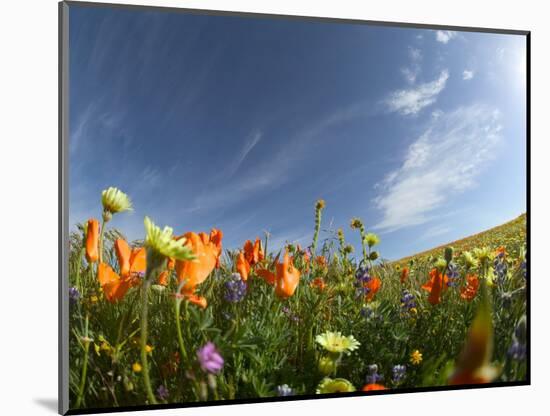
467	74
412	71
444	36
411	101
443	162
250	143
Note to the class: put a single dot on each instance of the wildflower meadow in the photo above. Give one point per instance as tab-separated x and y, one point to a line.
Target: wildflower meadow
177	318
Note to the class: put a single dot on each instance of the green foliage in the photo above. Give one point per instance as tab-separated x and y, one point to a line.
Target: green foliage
266	341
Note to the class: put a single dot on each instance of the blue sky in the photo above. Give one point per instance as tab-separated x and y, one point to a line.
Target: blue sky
243	123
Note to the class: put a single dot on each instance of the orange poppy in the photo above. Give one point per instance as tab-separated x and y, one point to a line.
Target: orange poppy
92	240
501	251
268	276
319	283
243	266
130	260
469	291
287	278
373	387
404	274
253	253
373	285
163	278
435	286
114	287
207	250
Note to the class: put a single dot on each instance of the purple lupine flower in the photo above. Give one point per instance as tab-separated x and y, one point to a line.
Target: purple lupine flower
284	390
362	277
517	351
162	392
500	268
398	373
452	274
367	312
210	359
373	377
74	295
407	300
235	289
523	267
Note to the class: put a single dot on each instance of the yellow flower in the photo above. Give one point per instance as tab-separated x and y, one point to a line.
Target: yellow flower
337	343
136	367
372	239
320	204
114	200
416	357
337	385
148	349
93	299
162	242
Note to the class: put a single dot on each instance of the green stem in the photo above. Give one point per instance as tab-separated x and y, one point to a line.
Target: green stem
143	339
78	266
84	365
316	232
101	233
178	327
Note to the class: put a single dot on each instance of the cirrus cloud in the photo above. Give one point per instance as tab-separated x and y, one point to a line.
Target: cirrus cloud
443	162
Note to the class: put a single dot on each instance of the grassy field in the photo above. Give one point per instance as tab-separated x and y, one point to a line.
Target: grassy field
504	234
176	318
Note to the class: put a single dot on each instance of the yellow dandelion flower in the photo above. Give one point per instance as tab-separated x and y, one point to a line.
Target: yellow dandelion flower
416	357
136	367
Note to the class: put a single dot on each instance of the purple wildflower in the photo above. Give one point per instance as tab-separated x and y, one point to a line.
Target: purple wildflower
74	295
210	359
452	274
162	392
373	377
501	269
407	300
398	373
235	289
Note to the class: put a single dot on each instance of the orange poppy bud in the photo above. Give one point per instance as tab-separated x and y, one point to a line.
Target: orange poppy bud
287	277
243	267
373	285
404	274
200	301
92	241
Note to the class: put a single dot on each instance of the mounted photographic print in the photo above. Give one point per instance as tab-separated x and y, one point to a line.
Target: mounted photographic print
263	208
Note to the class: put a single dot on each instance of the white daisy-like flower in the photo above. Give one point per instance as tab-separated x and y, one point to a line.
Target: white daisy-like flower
114	200
162	242
337	343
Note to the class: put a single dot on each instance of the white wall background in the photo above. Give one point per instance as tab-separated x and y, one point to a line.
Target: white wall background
28	203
